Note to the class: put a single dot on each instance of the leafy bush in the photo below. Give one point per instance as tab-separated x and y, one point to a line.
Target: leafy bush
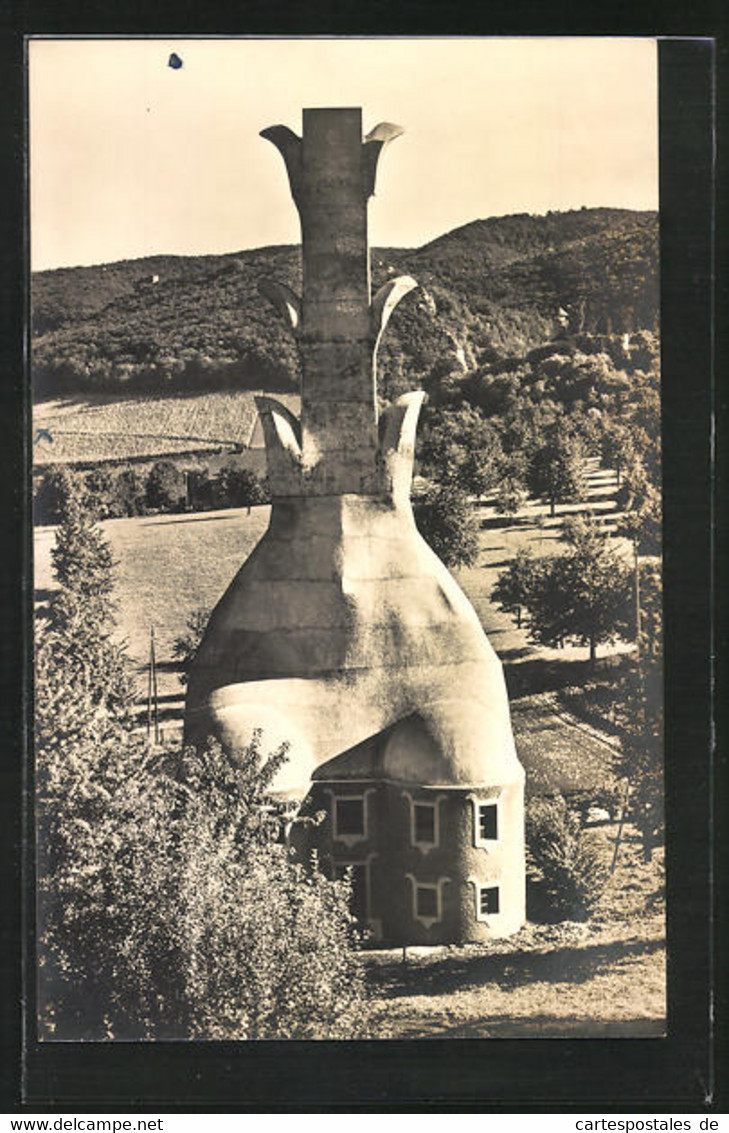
186	645
445	520
239	487
460	447
166	486
53	494
171	910
129	493
565	864
641	721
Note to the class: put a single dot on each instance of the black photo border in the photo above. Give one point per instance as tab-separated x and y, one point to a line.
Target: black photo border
680	1073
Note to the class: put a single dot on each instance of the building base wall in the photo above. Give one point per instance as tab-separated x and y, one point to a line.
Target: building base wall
420	870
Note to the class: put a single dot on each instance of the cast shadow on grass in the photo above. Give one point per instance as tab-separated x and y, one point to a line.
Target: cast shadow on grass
161	667
542	675
512	654
509	970
168	698
216	518
536	1027
494	523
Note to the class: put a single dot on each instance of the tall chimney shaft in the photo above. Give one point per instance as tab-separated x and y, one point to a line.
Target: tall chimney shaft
331	173
338	402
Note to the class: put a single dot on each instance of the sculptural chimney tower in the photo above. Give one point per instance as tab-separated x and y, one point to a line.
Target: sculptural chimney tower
343	634
332	175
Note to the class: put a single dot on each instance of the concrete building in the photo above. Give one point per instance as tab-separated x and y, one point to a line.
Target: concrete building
343	633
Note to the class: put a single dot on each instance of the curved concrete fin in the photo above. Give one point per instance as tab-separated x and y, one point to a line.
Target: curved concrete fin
288	145
284	301
372	147
282	436
398	425
386	300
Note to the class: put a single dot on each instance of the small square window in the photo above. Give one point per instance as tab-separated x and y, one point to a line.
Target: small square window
349	817
487	822
488	900
427	901
424	822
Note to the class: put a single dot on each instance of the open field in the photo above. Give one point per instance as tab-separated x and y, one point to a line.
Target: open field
105	427
170	565
603	979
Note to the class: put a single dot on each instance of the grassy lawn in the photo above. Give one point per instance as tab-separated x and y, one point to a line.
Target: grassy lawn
169	565
602	979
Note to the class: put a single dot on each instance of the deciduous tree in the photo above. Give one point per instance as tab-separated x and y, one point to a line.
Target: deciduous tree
514	585
460	448
444	517
556	471
583	595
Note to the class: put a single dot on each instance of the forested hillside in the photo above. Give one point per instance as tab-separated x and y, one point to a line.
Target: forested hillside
490	288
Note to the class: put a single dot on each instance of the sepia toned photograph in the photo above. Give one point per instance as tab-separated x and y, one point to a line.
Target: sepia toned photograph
346	437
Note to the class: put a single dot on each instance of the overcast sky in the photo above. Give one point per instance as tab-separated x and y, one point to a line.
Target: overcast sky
130	157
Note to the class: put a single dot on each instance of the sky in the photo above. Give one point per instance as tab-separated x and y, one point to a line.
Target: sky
131	157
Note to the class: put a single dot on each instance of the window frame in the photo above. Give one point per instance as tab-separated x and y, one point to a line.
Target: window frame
437	886
478	840
420	889
430	808
337	834
478	887
489	889
434	805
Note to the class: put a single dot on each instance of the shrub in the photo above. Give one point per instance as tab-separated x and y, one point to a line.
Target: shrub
565	864
641	762
55	491
100	490
166	489
172	911
445	520
186	645
239	487
460	447
130	493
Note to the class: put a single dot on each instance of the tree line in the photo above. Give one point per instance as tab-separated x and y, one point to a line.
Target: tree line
126	491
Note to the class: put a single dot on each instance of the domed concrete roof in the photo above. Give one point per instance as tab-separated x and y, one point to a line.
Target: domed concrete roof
454	744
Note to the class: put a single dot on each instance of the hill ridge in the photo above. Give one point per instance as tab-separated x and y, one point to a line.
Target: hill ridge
492	284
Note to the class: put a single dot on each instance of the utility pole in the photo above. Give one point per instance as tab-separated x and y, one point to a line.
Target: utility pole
638	626
152	699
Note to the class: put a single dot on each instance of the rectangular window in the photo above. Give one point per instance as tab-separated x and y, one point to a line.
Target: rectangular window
488	900
426	901
487	822
424	822
349	817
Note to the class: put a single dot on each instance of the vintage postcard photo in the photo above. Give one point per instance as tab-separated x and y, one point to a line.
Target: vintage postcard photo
346	436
